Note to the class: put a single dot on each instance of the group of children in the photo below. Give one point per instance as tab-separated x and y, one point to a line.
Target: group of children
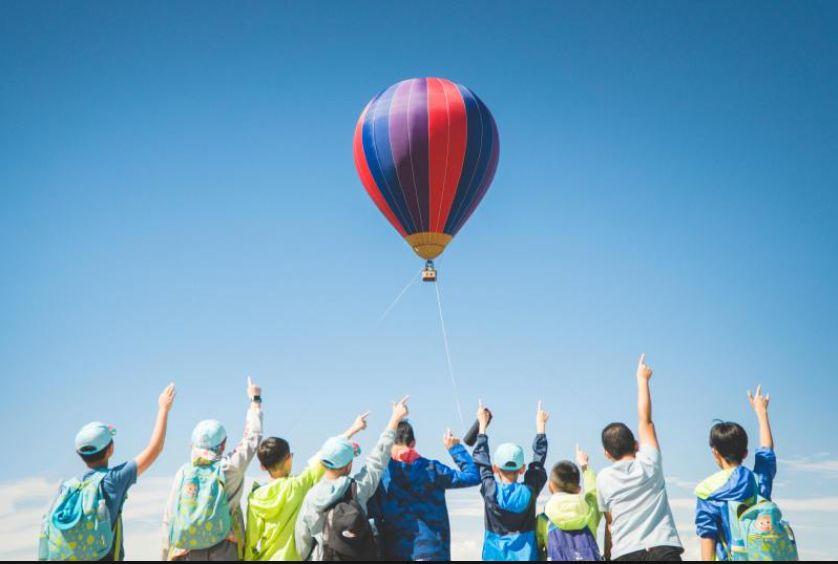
393	507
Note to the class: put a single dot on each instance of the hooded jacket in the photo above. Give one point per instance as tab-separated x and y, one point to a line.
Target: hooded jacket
741	485
272	511
510	508
571	512
409	506
308	532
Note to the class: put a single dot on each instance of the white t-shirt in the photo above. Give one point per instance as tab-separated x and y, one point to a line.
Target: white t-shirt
634	492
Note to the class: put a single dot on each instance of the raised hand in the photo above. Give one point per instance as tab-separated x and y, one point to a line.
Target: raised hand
644	371
759	401
449	440
252	389
483	417
541	418
357	426
167	397
581	458
400	411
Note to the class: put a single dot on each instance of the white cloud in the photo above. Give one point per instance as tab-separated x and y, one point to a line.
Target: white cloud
677	482
819	464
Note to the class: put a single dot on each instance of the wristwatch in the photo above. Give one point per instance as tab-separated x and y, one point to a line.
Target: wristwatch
257	399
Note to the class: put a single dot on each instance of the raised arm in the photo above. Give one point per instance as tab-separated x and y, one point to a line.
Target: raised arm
765	461
158	436
378	459
759	403
466	476
357	426
239	458
645	427
481	456
536	474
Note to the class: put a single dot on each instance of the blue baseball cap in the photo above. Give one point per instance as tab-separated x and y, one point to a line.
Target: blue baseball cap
337	452
94	437
509	457
208	434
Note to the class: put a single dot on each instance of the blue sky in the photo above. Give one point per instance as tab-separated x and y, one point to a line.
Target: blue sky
178	202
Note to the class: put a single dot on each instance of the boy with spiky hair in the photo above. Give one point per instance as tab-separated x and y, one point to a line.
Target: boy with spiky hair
733	483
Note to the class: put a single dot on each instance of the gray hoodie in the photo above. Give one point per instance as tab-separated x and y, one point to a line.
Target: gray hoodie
308	531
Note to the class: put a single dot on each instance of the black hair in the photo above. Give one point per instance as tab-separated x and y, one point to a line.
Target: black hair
730	440
404	434
94	457
272	452
565	477
618	440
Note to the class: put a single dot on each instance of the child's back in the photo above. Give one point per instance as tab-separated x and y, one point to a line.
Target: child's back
734	484
510	506
567	529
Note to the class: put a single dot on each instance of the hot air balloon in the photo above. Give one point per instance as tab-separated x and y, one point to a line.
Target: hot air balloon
426	150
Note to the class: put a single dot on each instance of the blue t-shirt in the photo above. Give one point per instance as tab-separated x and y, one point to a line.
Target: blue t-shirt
115	485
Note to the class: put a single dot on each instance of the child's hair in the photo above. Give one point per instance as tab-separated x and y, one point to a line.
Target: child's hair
618	440
272	452
565	477
404	434
511	475
97	456
730	440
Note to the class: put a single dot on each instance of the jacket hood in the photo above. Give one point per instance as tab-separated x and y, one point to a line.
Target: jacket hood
514	498
568	512
268	501
738	485
327	492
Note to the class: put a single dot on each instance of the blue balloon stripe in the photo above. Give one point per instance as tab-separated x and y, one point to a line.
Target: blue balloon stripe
485	167
376	143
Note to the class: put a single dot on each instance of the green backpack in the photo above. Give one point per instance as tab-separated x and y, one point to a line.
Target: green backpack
78	524
758	532
201	513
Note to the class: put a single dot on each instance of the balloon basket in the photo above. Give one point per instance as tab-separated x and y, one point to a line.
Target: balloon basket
429	272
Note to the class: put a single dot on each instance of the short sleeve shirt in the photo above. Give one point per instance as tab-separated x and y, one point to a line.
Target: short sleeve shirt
634	493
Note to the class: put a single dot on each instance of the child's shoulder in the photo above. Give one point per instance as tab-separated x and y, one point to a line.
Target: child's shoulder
711	483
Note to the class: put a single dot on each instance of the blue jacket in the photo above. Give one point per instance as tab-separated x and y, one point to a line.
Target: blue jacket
510	508
712	520
409	506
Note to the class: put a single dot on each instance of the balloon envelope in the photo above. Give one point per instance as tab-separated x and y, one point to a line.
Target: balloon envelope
426	150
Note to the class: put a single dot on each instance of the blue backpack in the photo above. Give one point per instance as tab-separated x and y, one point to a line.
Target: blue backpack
78	524
201	515
567	546
759	533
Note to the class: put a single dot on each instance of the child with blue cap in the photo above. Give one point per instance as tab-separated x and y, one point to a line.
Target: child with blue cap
509	504
203	518
90	507
336	456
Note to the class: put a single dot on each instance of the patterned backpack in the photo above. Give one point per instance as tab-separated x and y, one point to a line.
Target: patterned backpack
200	515
758	533
567	546
78	524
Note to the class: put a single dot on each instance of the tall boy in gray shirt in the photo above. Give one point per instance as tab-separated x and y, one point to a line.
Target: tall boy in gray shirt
639	526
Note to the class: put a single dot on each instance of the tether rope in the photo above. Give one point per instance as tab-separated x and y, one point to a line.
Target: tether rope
448	355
